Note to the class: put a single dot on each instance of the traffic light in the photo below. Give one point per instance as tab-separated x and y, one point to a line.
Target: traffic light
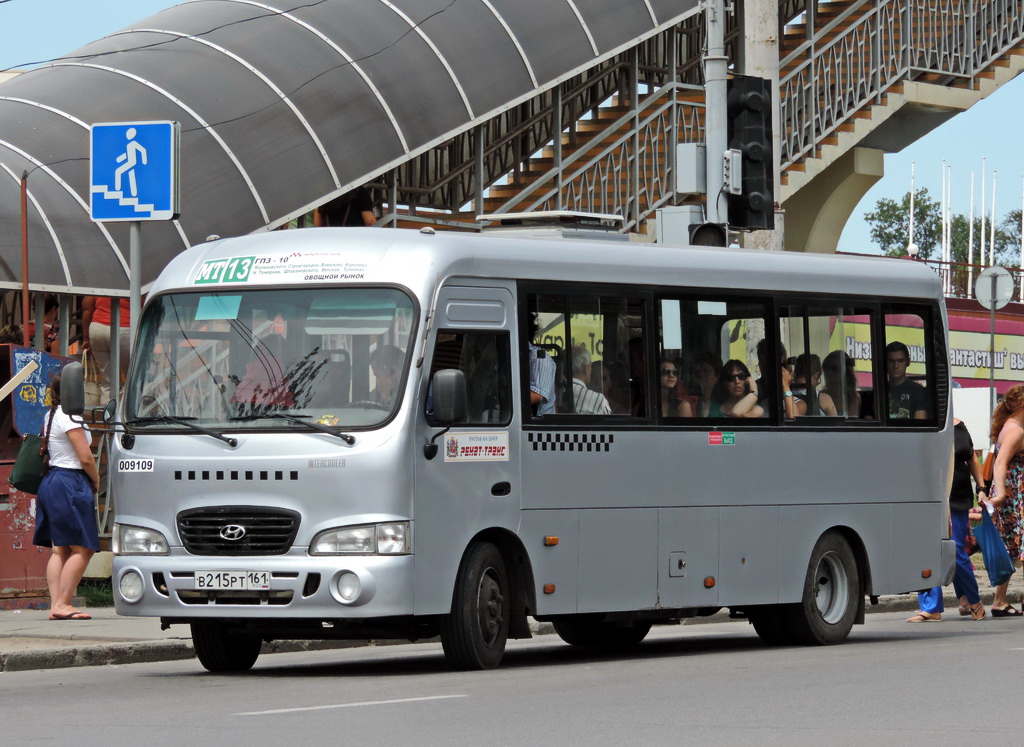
709	234
750	132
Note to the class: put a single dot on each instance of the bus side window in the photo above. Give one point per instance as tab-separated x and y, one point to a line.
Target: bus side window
484	359
911	378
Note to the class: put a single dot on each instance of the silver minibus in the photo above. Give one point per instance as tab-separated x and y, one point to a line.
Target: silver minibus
365	433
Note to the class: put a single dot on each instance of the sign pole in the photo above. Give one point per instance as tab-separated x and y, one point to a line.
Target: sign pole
994	290
992	354
134	278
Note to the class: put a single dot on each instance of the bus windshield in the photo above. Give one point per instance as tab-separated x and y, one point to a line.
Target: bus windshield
271	359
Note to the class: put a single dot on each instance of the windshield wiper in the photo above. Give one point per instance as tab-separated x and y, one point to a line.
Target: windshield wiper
298	420
185	422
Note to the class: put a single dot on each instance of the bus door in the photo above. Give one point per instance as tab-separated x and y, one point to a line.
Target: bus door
472	482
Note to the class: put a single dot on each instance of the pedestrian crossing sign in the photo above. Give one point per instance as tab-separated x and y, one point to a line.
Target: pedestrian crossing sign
133	169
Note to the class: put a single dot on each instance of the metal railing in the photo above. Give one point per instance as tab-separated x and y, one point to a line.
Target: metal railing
850	62
959	279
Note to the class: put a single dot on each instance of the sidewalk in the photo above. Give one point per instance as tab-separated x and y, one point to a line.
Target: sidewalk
30	640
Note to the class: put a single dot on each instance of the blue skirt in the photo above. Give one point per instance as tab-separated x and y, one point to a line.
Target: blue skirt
66	510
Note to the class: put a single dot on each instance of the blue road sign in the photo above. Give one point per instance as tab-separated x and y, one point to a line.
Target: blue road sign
133	170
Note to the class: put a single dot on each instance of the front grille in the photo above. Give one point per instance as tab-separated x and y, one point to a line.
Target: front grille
265	531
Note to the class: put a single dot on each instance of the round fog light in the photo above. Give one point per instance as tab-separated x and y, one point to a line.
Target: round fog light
349	586
131	586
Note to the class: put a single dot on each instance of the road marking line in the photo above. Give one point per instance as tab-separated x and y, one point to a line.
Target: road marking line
349	705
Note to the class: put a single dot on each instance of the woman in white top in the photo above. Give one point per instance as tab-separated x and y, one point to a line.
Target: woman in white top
65	507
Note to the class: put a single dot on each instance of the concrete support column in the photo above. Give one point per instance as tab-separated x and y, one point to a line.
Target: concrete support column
759	57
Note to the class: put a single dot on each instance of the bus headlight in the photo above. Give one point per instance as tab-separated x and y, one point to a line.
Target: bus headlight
367	539
130	540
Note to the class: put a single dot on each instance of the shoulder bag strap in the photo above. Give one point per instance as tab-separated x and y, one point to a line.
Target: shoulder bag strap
44	446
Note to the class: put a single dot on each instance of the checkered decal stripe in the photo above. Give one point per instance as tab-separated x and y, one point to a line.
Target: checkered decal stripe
571	441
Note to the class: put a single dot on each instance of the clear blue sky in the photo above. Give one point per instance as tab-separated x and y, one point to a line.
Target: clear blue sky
37	30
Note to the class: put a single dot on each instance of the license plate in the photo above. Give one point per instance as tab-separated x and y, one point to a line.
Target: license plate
231	580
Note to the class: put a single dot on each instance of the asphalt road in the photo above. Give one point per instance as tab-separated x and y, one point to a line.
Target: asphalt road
891	683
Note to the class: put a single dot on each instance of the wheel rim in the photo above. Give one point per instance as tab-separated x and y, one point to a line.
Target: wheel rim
831	588
490	607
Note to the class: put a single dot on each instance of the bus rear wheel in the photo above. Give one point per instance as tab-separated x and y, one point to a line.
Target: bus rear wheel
473	635
583	632
827	611
220	650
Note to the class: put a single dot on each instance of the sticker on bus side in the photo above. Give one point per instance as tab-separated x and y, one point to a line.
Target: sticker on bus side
718	438
476	447
135	465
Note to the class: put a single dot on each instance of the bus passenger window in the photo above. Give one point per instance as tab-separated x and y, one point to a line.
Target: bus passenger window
593	345
831	361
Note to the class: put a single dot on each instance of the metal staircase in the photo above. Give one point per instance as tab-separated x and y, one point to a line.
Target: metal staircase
852	73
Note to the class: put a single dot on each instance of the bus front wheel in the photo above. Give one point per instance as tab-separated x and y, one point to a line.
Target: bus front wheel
826	613
220	650
473	635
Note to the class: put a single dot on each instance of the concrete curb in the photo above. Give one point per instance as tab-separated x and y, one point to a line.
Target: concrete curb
99	654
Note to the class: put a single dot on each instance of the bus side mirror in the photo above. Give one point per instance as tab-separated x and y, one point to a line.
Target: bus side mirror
109	410
72	389
448	395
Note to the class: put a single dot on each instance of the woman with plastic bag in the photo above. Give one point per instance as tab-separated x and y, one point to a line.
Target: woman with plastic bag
961	500
1007	489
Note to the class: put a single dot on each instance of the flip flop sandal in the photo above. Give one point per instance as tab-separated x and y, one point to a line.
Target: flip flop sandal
925	617
1007	611
964	611
977	611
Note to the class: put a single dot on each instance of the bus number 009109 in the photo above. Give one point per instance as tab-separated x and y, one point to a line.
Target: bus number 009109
135	465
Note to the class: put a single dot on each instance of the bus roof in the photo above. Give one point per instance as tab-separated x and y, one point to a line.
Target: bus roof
417	259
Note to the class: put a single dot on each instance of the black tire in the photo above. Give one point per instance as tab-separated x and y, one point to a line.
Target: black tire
771	623
473	635
828	609
584	632
219	650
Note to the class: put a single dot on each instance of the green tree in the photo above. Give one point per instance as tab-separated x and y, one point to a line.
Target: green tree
890	225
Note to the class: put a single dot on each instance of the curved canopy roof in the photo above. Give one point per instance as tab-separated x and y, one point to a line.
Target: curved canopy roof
281	106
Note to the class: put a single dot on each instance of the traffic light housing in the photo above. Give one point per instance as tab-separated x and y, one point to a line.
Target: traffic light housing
750	132
709	234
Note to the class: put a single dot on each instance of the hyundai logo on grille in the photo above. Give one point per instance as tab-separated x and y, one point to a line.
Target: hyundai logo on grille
233	532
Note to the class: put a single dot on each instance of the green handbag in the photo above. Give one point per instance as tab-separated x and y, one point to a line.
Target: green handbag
32	462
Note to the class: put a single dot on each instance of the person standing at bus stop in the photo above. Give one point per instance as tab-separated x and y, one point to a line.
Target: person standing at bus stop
96	337
961	500
1008	486
65	507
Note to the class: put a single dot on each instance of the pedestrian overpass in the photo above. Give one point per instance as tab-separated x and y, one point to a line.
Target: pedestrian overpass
453	108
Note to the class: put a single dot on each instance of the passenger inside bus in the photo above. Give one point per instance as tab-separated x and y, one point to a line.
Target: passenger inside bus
264	383
608	378
543	373
705	370
765	364
806	378
735	394
839	396
586	401
907	399
673	404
